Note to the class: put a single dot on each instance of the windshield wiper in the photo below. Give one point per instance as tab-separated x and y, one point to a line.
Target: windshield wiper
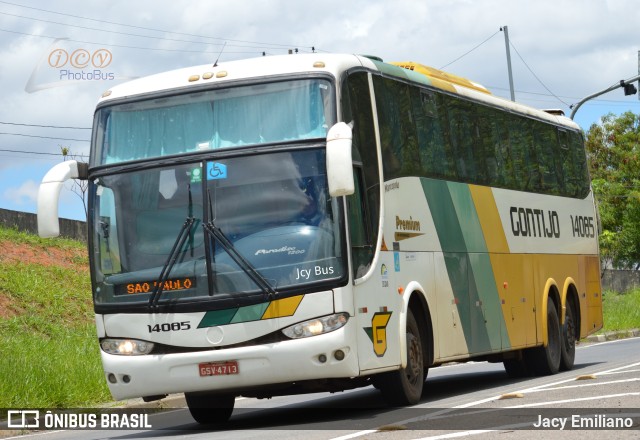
214	231
185	232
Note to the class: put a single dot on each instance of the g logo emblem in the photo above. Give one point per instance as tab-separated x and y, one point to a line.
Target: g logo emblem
378	332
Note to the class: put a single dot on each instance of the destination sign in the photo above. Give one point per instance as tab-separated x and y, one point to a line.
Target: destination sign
171	285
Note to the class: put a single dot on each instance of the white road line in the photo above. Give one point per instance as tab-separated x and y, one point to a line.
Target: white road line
545	386
355	434
496	429
584	385
579	399
619	368
461	434
536	389
621	372
615	341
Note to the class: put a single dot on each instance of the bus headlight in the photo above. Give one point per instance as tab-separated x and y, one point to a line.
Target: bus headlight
316	326
126	347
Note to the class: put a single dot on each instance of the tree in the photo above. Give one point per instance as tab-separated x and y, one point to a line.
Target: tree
613	149
79	186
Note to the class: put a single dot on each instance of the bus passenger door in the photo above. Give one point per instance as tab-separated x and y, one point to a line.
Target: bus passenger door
377	308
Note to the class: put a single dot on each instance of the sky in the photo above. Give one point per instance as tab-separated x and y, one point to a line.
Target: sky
561	51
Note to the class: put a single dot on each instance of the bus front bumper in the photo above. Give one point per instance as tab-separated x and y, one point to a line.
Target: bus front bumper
316	357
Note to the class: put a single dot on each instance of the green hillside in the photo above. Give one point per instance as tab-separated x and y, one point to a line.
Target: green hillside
49	350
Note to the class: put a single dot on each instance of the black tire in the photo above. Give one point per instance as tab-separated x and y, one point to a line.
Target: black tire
404	387
568	351
546	360
210	409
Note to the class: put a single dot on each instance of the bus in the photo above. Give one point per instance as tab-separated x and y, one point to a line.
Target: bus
322	222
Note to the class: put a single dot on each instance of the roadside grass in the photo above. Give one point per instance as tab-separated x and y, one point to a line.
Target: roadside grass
49	354
621	310
62	371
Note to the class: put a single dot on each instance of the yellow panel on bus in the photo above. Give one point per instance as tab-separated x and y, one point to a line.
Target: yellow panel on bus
440	75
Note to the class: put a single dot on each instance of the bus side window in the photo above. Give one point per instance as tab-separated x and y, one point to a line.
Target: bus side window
431	146
574	163
359	229
500	139
546	142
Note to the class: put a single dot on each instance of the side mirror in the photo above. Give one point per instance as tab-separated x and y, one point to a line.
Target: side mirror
49	195
339	160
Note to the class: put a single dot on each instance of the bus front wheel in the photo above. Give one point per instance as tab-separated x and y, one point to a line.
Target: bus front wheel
404	386
210	409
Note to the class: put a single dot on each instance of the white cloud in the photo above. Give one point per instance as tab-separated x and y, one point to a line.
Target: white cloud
25	194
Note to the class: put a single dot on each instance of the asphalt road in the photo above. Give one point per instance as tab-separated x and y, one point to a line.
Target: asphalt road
460	400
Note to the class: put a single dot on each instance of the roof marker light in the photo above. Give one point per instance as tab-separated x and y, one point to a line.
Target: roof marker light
221	74
193	78
207	75
319	64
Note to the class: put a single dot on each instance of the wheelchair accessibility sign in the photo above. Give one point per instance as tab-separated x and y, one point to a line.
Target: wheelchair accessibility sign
216	170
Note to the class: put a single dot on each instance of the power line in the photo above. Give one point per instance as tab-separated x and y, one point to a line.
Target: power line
125	46
595	101
30	158
536	76
45	137
44	126
521	59
262	44
39	153
130	34
466	53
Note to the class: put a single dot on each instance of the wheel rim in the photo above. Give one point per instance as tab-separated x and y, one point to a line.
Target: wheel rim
414	360
554	336
571	334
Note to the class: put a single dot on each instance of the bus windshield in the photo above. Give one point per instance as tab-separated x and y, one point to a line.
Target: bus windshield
213	119
272	209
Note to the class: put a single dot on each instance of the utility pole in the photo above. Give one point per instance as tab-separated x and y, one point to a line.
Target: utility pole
505	29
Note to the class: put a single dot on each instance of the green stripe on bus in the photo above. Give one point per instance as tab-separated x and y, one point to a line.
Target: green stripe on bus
217	317
250	313
466	212
468	264
444	215
481	275
234	315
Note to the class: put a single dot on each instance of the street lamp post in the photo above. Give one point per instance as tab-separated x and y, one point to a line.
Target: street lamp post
629	89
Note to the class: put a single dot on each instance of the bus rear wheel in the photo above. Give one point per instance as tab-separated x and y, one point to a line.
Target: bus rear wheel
404	386
210	409
546	360
568	352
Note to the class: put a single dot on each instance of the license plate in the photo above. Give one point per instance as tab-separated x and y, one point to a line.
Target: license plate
218	368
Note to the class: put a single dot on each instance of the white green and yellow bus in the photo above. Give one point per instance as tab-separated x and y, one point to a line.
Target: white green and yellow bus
301	223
